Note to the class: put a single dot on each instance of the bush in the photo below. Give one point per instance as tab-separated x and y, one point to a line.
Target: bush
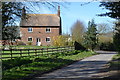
117	41
59	41
78	46
70	43
117	36
107	46
29	43
20	43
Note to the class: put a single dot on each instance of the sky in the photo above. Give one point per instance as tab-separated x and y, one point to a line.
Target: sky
73	11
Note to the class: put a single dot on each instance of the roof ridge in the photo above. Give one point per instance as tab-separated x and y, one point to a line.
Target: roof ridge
42	14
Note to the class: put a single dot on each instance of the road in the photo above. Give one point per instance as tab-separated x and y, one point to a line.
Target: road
82	70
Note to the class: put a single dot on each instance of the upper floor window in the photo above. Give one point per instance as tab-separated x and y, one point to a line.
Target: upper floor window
30	29
48	39
48	29
29	39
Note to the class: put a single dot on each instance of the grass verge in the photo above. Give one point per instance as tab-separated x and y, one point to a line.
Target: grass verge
114	69
115	63
20	68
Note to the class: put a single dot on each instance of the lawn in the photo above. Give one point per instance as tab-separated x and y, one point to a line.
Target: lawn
27	47
22	67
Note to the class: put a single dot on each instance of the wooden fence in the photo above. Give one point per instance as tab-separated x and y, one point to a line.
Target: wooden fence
14	53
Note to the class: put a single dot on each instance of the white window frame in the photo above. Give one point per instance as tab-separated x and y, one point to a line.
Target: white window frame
31	29
46	39
28	38
48	31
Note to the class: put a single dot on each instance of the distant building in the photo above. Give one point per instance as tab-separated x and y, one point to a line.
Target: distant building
40	28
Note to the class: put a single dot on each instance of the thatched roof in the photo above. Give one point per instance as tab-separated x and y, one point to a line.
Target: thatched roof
41	20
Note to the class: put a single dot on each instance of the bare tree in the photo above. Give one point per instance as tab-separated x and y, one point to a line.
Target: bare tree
77	31
103	28
105	33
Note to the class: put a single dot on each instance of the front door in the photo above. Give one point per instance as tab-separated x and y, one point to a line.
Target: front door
38	41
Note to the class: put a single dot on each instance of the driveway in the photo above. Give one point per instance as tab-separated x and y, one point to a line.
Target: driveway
82	70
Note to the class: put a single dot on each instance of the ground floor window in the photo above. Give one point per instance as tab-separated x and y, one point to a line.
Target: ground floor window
29	39
48	39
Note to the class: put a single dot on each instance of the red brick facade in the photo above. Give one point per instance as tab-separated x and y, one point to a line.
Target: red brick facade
39	32
39	23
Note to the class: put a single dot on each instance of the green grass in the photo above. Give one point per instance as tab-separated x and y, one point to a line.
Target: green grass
116	57
27	46
31	52
21	67
79	56
115	63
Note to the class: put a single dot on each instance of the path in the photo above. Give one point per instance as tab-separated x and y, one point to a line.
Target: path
81	70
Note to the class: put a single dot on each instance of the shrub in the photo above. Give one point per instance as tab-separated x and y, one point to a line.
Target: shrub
60	41
70	43
107	46
20	43
117	41
78	46
29	43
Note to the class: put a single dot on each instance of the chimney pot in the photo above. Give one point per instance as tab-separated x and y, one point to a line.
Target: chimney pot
58	11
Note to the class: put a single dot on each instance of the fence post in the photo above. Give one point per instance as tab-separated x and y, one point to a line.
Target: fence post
47	52
60	50
20	52
11	53
57	49
3	50
64	49
52	50
28	53
68	49
42	51
35	52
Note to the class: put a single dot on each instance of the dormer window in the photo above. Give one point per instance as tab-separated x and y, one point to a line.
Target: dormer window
48	29
30	29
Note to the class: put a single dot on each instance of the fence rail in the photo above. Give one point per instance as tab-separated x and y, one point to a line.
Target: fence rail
14	53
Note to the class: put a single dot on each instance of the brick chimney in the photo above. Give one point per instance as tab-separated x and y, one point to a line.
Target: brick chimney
58	11
23	12
23	17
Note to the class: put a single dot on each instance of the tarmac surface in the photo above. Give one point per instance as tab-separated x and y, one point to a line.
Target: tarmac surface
85	69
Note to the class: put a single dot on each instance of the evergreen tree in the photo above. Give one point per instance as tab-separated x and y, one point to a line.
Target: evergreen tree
117	36
113	7
11	13
114	12
91	35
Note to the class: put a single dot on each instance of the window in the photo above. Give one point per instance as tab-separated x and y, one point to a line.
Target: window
29	29
29	39
48	39
48	29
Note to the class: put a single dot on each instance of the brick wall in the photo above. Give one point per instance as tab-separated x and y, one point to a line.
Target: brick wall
39	32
